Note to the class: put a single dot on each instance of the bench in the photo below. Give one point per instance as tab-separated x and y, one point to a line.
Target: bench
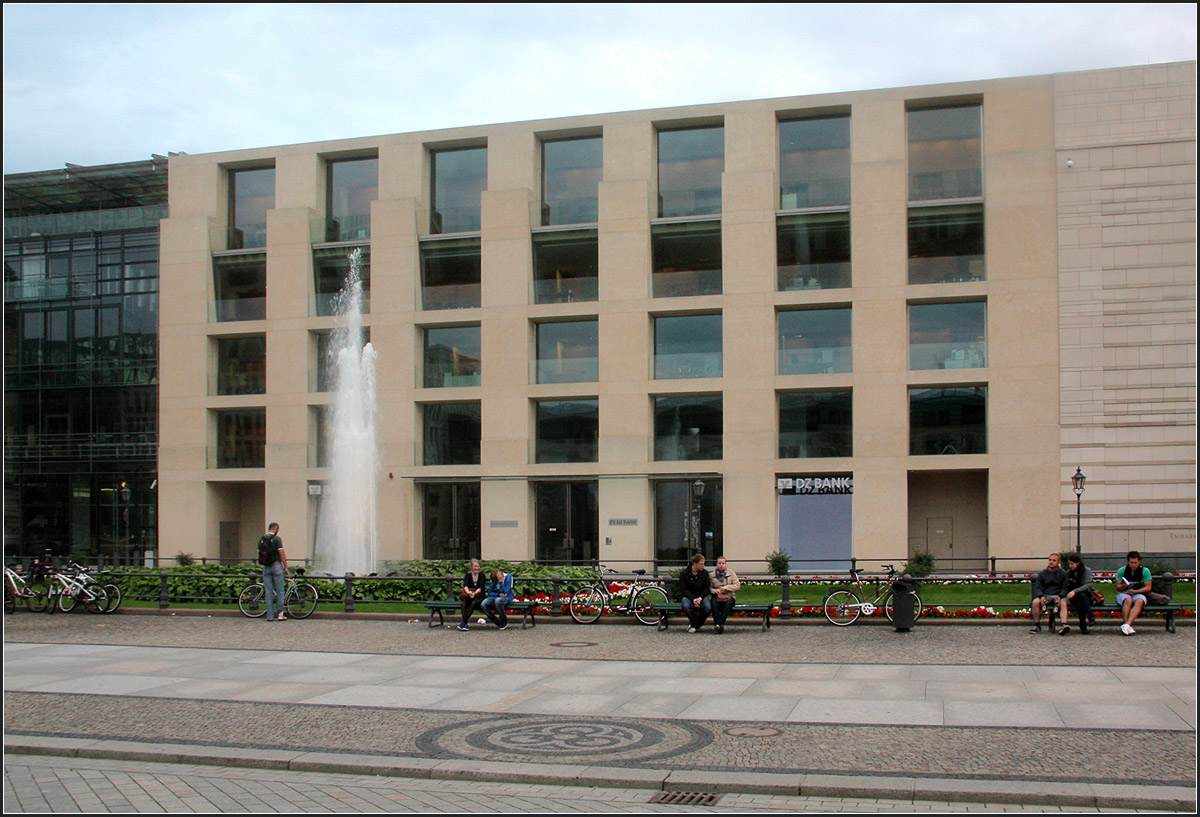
1168	610
441	606
747	610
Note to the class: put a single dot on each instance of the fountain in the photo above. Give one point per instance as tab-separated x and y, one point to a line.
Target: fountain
346	538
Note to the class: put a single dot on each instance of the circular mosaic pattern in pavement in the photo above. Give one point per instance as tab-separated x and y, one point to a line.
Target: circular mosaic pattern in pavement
564	739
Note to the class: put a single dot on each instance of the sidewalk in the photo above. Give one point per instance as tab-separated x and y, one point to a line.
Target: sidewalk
943	712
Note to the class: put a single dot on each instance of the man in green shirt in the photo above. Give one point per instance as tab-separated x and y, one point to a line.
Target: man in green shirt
1133	583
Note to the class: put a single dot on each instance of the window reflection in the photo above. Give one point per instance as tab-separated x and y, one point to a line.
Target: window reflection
459	179
814	163
815	424
351	186
567	430
452	357
688	427
251	195
945	159
687	346
571	170
450	274
690	164
568	352
948	421
814	341
947	335
687	259
945	244
565	266
451	434
813	251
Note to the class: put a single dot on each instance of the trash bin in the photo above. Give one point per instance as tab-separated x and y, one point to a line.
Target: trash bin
904	603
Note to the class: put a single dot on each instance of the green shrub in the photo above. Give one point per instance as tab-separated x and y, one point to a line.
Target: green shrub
778	563
1156	570
920	564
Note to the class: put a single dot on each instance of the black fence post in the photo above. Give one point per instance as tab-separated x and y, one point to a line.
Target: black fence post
786	603
348	595
555	609
164	597
449	588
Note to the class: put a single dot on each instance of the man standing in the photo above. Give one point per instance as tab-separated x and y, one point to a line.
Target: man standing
1133	583
725	584
1047	587
275	571
696	584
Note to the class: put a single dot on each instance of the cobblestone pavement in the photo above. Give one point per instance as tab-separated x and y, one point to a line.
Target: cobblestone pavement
94	710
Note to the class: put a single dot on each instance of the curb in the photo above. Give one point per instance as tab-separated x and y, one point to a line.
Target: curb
899	788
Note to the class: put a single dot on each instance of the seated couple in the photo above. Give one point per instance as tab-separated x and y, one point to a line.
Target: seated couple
705	593
492	600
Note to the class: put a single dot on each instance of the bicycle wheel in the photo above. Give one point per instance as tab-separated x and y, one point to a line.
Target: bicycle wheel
302	602
252	601
649	604
66	600
587	604
39	590
842	607
917	606
97	600
114	597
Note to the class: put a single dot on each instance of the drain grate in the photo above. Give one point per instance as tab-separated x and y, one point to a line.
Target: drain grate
686	798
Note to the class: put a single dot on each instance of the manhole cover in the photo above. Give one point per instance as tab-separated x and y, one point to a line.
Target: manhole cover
573	644
752	731
686	798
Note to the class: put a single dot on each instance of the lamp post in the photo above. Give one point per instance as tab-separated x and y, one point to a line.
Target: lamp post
1077	485
697	492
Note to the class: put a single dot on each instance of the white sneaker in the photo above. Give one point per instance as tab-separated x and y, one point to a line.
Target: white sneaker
1126	629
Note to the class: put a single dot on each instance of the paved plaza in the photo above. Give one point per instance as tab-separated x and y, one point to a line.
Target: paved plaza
803	716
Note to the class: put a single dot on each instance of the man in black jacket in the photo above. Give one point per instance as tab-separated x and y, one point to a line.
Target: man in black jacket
696	584
1047	587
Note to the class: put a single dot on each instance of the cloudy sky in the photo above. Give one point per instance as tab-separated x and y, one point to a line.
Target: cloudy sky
93	84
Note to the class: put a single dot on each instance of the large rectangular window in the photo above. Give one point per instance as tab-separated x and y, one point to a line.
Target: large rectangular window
945	244
251	195
242	365
568	351
814	341
948	420
816	424
331	268
567	430
323	376
686	259
689	517
687	346
814	162
813	251
453	356
945	153
688	427
690	164
241	438
947	335
350	187
566	266
451	434
240	287
450	274
459	179
571	170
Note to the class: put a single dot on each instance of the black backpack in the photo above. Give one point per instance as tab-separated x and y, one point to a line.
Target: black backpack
268	553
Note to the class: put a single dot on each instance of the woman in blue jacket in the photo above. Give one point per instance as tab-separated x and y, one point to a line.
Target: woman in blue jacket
500	595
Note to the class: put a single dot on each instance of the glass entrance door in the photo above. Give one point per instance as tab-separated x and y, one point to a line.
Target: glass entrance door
452	527
568	521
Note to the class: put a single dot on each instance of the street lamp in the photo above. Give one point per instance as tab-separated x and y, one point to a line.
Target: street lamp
1077	485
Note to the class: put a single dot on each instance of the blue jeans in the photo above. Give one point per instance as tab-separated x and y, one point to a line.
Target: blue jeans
696	616
721	610
493	608
274	588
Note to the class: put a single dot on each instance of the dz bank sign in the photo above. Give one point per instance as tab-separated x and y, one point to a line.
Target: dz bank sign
815	485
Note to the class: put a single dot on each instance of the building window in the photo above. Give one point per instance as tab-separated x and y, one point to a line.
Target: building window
321	418
241	438
452	357
567	430
687	346
686	259
945	244
350	187
814	163
815	424
945	155
331	268
688	427
251	195
948	420
690	164
571	170
568	351
450	274
814	341
947	335
813	251
689	517
451	434
459	179
242	365
326	369
452	515
240	287
568	521
566	266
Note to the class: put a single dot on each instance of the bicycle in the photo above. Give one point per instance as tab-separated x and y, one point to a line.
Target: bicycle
299	599
111	589
66	592
33	594
843	606
646	601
